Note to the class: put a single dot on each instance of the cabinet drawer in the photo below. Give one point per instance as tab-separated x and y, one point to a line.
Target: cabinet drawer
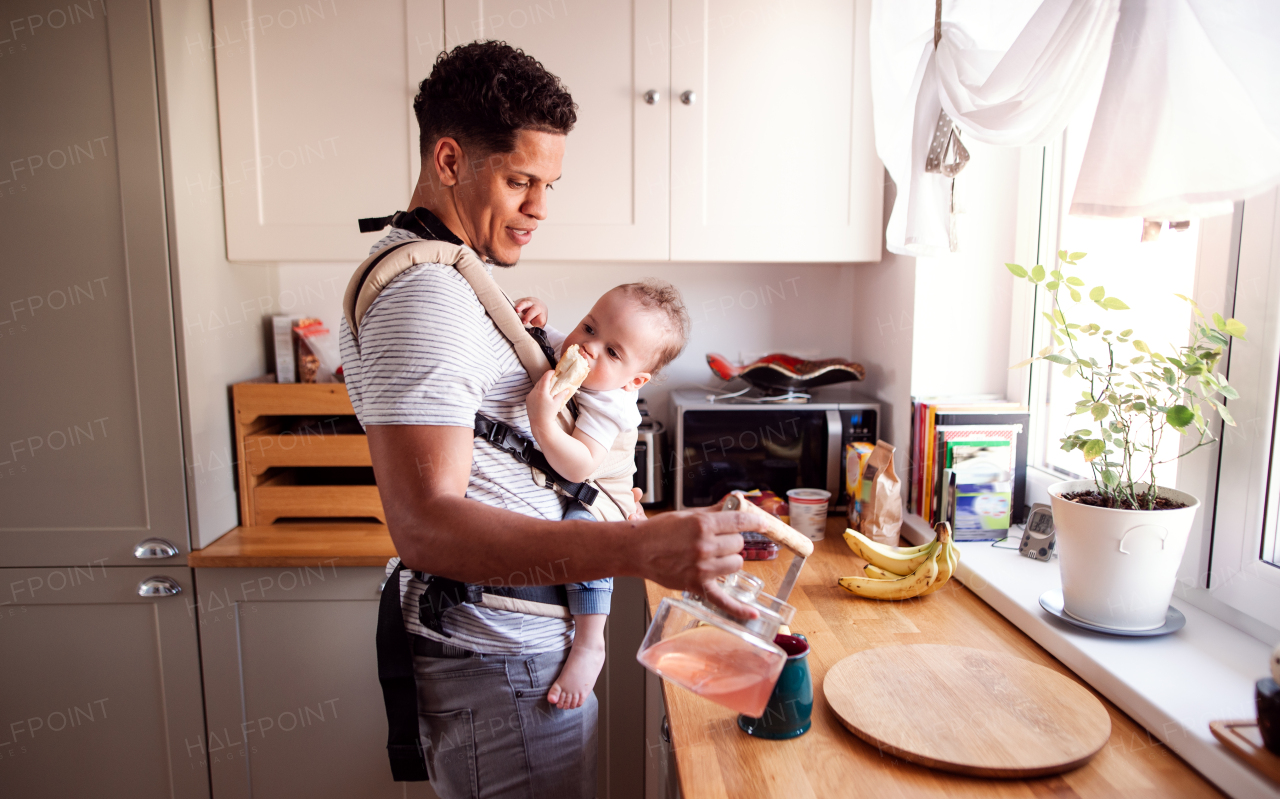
290	399
262	452
273	502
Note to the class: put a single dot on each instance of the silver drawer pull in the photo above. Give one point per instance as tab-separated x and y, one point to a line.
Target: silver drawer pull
154	549
158	586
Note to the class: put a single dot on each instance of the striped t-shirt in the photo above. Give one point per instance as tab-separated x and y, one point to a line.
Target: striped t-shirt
430	355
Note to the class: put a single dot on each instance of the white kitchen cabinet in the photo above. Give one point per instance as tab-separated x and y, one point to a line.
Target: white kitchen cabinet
314	107
772	155
612	203
768	157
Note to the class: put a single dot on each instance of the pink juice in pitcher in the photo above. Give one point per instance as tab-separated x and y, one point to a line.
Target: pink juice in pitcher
700	647
718	665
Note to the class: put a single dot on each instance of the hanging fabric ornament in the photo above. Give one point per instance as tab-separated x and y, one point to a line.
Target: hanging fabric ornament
1009	73
947	154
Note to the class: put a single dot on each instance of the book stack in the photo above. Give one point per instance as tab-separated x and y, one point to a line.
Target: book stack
969	464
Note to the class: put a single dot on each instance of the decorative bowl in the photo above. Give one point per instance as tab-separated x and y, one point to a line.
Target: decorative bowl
779	371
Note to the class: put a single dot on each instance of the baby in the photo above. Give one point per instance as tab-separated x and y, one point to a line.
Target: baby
631	333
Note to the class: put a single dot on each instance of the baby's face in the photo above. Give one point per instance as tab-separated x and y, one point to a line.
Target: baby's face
620	340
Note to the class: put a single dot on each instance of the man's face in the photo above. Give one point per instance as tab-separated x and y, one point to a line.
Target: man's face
500	199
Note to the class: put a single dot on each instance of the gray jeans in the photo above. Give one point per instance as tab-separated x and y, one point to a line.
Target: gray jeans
489	732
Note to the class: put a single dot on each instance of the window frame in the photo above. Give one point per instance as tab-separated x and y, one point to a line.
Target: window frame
1249	476
1040	213
1217	575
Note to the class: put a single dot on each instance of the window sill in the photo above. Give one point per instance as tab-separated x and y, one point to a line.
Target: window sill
1173	685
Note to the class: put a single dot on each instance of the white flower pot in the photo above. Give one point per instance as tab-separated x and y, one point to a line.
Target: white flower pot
1119	566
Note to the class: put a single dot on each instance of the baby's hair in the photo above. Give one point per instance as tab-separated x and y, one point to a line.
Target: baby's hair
663	299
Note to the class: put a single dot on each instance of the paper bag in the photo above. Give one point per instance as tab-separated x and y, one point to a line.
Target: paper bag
880	509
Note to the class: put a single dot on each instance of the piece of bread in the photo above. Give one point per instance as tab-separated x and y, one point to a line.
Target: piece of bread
570	371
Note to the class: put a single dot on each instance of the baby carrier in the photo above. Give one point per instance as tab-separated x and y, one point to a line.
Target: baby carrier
607	494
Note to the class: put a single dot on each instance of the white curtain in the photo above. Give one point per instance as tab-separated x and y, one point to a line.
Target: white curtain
1189	116
1007	72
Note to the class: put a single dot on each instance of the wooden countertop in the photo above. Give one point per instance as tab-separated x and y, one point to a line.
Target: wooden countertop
288	544
299	544
716	759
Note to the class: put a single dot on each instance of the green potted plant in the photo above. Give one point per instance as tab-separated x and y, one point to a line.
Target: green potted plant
1120	534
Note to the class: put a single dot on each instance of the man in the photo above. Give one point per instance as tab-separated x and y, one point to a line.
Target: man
493	124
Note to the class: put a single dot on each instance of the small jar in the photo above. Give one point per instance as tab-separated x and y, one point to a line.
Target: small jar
732	662
757	546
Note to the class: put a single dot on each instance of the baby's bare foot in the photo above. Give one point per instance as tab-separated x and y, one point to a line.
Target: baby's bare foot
577	678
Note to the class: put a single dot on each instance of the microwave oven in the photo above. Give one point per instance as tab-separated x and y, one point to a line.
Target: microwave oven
722	445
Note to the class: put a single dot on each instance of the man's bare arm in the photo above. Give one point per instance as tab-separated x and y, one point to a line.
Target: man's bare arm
422	474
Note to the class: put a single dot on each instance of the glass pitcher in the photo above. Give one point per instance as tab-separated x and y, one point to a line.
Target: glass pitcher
733	662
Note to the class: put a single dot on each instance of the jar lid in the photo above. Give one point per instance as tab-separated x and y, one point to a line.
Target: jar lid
808	495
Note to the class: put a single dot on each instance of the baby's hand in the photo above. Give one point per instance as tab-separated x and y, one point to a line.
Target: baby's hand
533	311
542	405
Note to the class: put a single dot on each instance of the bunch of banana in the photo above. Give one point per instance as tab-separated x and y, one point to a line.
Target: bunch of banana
902	573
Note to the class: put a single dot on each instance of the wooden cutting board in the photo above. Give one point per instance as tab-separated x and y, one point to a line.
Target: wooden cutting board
966	710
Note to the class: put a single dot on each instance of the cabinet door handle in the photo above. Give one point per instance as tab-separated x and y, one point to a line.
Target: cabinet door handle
154	549
158	586
688	97
652	97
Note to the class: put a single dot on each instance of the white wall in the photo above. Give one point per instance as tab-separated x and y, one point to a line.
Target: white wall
963	301
940	326
910	324
883	329
217	303
737	310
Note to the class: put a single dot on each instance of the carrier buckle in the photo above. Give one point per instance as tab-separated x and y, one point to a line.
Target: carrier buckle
525	455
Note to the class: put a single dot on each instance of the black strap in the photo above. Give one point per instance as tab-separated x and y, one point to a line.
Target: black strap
508	440
420	222
374	223
441	593
399	688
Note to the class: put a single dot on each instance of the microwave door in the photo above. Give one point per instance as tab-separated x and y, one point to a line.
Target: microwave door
774	449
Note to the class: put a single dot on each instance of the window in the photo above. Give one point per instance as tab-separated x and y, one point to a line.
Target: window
1243	570
1128	267
1229	264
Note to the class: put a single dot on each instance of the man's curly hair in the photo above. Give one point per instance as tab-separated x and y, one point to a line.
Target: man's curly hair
483	93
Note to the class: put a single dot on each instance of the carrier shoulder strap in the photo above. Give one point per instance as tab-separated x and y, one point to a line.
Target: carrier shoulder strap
389	263
384	266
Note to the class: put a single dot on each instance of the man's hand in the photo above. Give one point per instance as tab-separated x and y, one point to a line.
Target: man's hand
543	405
533	311
690	549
